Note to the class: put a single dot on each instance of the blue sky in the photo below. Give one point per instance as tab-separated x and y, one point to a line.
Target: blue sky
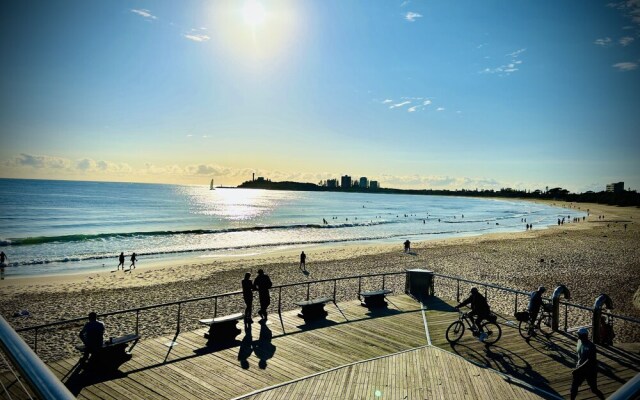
422	94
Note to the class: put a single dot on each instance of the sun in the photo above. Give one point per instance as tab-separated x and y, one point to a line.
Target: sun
254	13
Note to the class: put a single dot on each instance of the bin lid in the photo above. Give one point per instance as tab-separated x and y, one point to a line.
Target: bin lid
419	270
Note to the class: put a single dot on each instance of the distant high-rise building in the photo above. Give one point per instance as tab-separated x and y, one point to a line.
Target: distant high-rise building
374	185
332	183
345	182
615	187
364	182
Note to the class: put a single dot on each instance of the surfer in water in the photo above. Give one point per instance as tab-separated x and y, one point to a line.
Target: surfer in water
121	260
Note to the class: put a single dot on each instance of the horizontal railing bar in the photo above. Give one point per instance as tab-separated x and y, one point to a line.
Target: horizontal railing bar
506	289
177	302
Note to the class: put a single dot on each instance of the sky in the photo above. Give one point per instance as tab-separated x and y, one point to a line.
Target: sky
414	94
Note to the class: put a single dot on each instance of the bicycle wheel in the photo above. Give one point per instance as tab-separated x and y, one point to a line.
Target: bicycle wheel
545	325
454	332
525	329
493	331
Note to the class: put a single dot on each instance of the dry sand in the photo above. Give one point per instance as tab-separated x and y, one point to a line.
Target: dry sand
591	257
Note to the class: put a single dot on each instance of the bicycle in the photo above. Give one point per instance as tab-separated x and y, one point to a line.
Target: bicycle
489	328
527	328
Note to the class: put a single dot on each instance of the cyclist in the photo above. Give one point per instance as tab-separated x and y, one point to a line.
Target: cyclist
535	302
479	309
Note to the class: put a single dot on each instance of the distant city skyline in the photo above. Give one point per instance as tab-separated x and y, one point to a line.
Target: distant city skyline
420	95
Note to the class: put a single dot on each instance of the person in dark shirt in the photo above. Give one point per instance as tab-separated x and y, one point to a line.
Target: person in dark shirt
479	308
121	261
303	259
247	295
92	335
586	366
535	303
262	284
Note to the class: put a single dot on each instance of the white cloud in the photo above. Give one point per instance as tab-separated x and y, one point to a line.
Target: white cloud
412	109
426	102
144	13
604	42
387	101
402	104
405	3
625	41
516	53
197	37
510	67
440	109
411	16
625	66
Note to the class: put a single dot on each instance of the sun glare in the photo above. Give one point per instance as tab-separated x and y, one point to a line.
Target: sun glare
254	13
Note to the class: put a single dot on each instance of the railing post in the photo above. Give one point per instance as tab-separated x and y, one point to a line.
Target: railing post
178	323
308	286
280	300
602	300
555	307
215	306
383	276
35	341
334	290
515	308
458	291
359	285
566	317
137	321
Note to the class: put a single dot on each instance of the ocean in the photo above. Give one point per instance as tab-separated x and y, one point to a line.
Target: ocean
57	227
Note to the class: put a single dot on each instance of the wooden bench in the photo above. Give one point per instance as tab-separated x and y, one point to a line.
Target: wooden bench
313	309
116	346
375	298
222	329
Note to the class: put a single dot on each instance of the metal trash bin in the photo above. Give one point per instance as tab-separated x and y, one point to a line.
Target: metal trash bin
419	283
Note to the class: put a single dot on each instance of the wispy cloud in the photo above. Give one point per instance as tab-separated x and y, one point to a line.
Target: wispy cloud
196	37
509	68
412	16
405	3
412	109
625	41
144	13
401	104
625	66
387	101
630	9
604	42
440	109
426	102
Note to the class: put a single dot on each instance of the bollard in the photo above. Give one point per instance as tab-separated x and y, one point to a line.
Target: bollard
555	305
602	300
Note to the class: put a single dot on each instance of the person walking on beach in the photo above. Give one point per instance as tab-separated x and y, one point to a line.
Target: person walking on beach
92	335
121	261
262	284
3	258
133	262
586	366
247	295
407	246
303	259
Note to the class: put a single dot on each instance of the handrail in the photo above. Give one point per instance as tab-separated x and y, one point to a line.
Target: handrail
629	390
490	285
38	376
194	299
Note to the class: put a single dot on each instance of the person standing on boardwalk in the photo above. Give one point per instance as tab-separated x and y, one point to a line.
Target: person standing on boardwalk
535	303
92	335
303	259
133	262
262	284
121	261
586	366
247	295
3	258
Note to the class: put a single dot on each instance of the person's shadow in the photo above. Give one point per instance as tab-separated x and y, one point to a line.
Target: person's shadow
246	348
263	348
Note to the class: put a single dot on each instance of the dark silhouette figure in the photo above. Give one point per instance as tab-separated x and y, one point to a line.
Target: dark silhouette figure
262	284
121	261
3	258
479	308
247	295
246	348
133	261
92	335
407	246
586	366
535	303
263	348
303	259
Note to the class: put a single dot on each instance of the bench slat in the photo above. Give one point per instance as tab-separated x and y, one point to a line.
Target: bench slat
376	293
226	318
321	300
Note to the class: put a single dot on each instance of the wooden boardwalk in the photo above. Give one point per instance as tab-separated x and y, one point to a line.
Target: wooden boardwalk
288	359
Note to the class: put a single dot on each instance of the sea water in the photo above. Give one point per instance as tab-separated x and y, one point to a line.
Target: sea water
53	227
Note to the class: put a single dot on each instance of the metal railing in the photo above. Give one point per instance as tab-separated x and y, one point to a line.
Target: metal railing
180	304
40	382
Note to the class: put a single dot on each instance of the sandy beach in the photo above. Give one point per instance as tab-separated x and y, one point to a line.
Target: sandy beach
590	257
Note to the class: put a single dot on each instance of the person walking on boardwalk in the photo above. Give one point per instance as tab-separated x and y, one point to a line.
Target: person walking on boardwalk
3	265
133	262
586	366
92	335
303	259
535	303
121	261
479	308
247	295
262	284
